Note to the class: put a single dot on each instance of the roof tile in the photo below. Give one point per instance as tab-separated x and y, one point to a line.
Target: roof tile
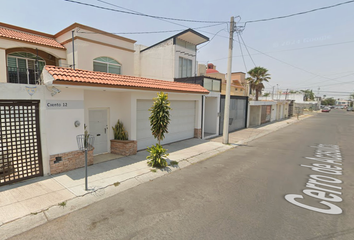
90	77
29	37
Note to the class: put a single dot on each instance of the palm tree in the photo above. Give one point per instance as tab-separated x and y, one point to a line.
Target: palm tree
309	95
266	95
258	75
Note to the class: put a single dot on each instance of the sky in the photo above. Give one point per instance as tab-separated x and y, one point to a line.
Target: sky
309	51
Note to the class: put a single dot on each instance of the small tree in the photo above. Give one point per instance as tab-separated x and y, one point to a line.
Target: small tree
328	101
159	120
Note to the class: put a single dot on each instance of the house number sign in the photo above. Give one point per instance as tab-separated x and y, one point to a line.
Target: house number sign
63	104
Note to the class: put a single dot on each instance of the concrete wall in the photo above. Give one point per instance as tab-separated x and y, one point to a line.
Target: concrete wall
3	66
162	61
211	110
60	121
255	116
84	58
157	62
89	45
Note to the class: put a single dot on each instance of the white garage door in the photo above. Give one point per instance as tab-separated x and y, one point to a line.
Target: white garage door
181	125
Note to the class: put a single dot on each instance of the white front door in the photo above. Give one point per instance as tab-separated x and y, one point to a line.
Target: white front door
98	128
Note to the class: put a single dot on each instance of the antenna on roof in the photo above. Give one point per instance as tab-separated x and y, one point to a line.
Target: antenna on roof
72	35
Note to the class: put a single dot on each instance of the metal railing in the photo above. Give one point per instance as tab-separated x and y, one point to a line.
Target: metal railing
21	75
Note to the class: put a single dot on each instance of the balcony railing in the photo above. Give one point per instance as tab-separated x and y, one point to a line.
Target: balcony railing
21	75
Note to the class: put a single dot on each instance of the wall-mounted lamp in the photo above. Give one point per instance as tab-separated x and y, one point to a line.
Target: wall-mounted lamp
77	123
54	91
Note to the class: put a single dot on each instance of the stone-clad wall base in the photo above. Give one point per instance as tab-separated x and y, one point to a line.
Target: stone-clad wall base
197	133
69	161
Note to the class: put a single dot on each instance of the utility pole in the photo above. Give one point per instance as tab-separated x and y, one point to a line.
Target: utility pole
286	94
277	92
273	93
225	139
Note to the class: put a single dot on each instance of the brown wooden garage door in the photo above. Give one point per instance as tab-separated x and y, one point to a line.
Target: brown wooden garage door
266	113
20	145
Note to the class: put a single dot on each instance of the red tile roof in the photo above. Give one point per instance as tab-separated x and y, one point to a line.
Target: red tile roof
83	77
29	37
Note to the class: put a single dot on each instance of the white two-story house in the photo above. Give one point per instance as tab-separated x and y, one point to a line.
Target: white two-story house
51	86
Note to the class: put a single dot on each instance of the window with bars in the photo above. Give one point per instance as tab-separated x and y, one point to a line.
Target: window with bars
106	64
185	67
23	67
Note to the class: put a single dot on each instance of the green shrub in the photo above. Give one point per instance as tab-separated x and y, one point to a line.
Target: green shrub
119	131
160	116
157	155
159	120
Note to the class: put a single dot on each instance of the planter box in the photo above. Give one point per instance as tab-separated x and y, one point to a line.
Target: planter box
124	147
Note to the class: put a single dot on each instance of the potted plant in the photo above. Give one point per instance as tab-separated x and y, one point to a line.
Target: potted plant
120	144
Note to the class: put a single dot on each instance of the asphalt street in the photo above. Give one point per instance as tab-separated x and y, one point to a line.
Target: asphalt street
239	194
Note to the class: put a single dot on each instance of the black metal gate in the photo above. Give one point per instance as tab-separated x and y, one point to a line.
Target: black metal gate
20	145
237	115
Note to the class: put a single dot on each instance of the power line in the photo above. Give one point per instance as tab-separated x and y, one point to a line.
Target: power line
334	79
295	49
243	59
163	31
285	62
299	13
111	4
279	59
143	15
247	50
210	39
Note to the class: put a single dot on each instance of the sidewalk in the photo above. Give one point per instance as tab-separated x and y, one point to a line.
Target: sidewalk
34	202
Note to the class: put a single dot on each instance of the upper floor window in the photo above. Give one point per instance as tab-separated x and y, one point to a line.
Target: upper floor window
106	64
185	67
23	67
212	84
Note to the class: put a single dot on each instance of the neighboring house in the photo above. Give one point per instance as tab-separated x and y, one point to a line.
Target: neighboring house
238	97
238	82
45	104
174	57
297	100
268	111
342	103
210	104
